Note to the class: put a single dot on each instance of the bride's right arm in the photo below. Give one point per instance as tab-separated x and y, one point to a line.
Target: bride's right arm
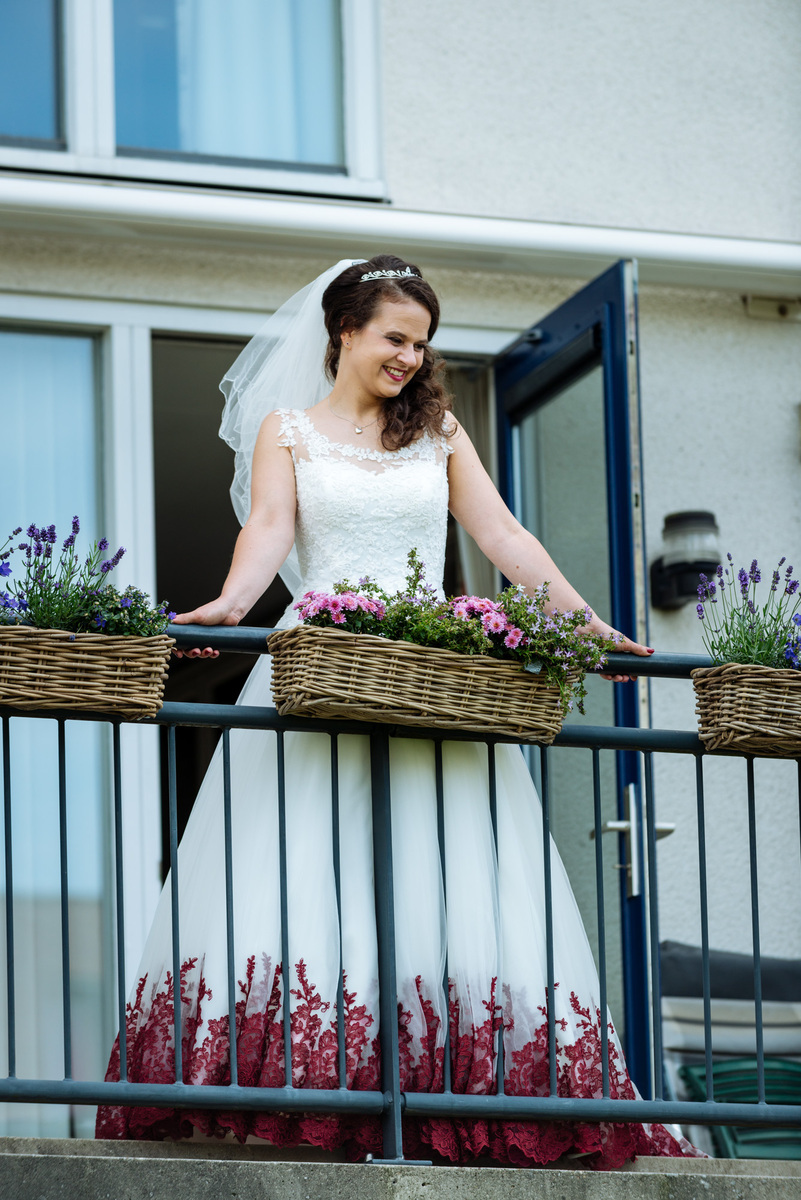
263	542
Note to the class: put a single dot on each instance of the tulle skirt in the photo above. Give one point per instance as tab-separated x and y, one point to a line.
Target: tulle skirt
492	931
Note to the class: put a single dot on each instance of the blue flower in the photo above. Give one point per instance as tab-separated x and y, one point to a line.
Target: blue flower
5	568
797	618
126	602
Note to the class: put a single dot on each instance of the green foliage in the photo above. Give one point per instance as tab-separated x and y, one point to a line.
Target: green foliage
515	626
61	592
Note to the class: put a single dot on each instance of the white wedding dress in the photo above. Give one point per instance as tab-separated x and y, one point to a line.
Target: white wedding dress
359	512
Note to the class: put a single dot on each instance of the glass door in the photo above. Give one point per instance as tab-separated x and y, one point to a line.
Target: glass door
568	433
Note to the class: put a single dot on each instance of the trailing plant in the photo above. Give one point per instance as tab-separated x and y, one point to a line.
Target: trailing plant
515	626
59	591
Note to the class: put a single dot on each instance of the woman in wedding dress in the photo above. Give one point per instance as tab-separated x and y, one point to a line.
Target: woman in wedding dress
356	475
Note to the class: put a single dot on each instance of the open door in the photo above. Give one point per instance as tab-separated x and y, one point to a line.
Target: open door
570	469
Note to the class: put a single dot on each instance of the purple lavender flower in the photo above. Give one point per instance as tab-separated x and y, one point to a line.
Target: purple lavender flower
76	526
742	577
719	571
792	588
699	608
754	574
16	532
102	545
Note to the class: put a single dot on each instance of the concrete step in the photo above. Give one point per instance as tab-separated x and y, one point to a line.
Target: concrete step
51	1169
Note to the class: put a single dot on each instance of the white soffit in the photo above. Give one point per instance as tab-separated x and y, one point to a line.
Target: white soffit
477	243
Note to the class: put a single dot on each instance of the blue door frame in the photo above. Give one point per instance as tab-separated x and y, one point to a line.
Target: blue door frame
598	326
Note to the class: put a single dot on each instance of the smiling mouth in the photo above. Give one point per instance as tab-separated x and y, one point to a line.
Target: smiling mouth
395	376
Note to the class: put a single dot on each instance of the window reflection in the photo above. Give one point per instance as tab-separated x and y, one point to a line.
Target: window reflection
30	71
248	80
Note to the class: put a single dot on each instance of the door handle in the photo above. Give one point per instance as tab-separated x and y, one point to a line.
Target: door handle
629	828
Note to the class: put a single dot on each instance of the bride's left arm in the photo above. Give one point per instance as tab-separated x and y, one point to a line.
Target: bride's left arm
477	506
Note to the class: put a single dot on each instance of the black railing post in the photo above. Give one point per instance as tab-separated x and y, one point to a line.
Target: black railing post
446	985
500	1067
175	916
119	899
548	887
65	900
229	907
9	886
387	969
601	911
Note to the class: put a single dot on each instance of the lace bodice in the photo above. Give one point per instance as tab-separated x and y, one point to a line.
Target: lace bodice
360	511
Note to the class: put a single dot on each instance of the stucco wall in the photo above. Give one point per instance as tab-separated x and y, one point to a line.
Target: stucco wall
635	114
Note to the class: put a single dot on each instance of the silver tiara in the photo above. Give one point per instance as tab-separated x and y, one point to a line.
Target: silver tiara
405	274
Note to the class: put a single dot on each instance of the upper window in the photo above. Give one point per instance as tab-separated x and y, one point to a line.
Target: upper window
252	80
30	57
275	94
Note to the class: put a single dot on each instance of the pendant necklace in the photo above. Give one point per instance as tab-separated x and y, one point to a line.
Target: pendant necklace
356	428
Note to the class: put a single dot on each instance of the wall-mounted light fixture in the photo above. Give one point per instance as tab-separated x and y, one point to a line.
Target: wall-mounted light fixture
690	549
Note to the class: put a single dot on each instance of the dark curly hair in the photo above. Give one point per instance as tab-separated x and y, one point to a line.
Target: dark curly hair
349	303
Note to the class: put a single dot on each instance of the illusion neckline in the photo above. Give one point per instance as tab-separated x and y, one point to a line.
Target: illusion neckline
361	449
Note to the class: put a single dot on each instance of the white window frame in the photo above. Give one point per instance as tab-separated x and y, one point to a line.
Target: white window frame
89	117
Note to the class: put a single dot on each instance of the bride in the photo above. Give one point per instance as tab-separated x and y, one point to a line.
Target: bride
355	475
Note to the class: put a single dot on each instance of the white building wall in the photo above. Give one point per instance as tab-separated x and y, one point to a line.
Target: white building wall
635	114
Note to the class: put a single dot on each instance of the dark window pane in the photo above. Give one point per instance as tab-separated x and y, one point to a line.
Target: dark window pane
250	80
29	70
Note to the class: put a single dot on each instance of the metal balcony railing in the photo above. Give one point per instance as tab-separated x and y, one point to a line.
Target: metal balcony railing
390	1103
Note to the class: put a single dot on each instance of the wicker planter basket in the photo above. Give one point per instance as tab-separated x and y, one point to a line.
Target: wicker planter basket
93	672
750	709
334	673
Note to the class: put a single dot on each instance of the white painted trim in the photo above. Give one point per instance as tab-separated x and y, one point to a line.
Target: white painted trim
164	318
489	243
361	90
102	79
130	512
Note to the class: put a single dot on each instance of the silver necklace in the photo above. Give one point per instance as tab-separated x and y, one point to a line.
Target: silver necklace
356	428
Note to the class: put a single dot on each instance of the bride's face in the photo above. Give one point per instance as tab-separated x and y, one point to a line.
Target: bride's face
384	355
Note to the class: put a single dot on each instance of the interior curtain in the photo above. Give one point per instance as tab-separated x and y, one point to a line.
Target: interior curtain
259	79
49	419
472	406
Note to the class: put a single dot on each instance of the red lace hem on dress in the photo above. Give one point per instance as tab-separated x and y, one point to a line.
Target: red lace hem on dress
260	1061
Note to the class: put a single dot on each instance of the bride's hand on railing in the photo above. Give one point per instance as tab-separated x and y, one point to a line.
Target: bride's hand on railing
216	612
624	645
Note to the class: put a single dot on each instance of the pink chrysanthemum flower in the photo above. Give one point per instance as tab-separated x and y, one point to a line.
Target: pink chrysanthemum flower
513	638
349	601
338	618
493	622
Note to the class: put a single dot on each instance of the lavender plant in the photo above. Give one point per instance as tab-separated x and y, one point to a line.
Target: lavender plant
738	630
515	626
59	591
